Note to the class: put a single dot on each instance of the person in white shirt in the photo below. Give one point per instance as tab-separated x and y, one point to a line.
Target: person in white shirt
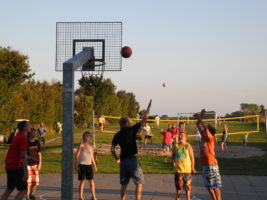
157	121
147	132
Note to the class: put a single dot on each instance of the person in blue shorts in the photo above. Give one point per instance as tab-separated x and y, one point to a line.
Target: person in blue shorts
129	165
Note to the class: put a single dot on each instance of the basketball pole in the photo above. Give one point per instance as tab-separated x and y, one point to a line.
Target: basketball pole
94	126
68	121
265	111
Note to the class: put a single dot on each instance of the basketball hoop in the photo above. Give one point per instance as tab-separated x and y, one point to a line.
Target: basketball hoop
94	76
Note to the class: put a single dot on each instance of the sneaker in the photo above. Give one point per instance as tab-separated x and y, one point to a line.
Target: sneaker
32	197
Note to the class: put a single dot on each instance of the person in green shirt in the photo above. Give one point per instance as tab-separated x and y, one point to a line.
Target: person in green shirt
183	162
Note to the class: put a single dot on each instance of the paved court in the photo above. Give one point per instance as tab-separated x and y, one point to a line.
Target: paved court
157	187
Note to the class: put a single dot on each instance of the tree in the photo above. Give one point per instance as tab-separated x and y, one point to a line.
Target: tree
128	104
249	109
103	93
14	67
14	70
84	108
124	101
133	107
106	100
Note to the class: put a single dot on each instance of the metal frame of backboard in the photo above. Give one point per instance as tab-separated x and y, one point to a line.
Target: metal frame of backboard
68	34
89	34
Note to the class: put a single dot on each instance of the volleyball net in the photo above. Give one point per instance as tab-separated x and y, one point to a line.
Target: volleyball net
236	125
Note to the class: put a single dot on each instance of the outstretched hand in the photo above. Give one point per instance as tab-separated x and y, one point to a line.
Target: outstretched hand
203	111
199	115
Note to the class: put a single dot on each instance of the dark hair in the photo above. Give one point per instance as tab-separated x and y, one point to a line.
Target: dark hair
123	121
181	123
86	133
33	129
211	129
21	125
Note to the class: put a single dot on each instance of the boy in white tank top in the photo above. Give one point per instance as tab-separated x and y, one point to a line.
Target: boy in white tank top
84	160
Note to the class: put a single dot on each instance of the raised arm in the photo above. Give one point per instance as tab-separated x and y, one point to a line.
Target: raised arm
202	127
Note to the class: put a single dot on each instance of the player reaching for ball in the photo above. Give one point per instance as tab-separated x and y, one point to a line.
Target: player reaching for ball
211	173
129	165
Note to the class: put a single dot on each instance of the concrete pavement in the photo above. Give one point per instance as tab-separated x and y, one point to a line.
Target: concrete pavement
157	187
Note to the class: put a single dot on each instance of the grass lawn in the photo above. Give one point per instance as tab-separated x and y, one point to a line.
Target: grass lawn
158	164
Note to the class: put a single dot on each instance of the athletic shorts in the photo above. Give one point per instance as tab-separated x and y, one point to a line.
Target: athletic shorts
211	176
165	146
130	168
197	138
183	180
33	175
85	172
224	139
148	137
14	179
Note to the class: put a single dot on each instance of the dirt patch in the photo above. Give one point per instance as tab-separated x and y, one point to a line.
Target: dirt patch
234	151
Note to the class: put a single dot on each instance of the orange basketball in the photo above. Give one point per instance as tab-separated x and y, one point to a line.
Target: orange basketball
126	52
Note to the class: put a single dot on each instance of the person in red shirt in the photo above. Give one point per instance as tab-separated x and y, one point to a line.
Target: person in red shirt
211	173
16	163
174	130
167	140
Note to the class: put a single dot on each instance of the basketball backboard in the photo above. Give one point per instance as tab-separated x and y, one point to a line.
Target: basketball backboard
104	37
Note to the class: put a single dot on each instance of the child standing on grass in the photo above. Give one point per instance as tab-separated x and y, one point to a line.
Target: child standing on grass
183	161
245	141
167	140
224	138
84	161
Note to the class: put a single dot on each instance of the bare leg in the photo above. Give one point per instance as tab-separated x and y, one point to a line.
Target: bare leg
138	192
222	148
20	195
217	193
212	194
226	148
81	186
178	193
123	192
34	187
187	192
6	194
28	190
167	149
92	188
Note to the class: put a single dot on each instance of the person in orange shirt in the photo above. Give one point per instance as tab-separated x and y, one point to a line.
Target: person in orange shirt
211	173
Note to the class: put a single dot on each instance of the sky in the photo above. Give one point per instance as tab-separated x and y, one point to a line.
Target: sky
211	53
